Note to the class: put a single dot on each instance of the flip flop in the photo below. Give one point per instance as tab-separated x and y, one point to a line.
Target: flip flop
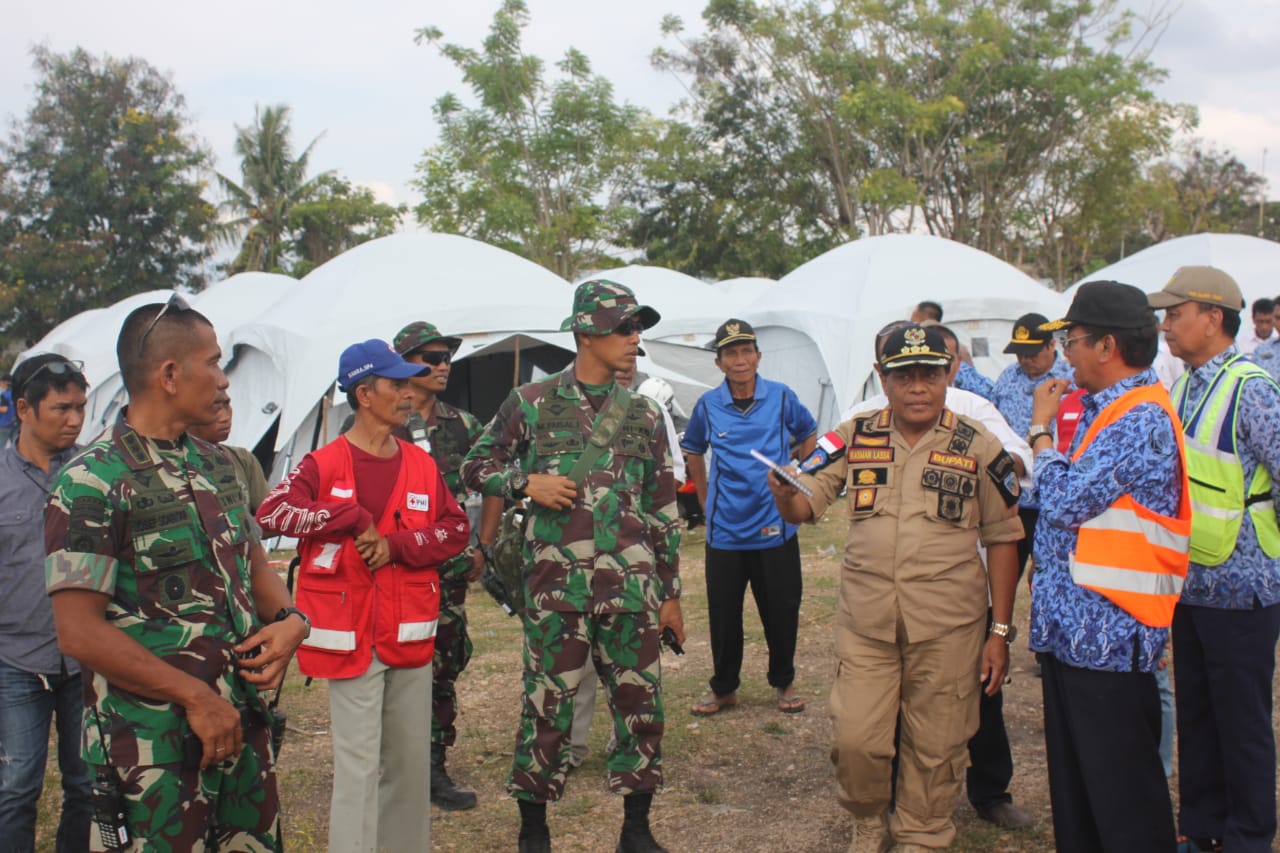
789	704
711	704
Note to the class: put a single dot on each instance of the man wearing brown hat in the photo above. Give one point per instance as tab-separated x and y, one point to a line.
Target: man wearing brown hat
1111	553
925	486
602	556
447	433
1227	621
748	542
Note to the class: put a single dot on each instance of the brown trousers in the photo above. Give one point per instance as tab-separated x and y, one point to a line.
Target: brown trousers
933	686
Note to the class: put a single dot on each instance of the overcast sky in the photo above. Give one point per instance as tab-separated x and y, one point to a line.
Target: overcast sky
352	71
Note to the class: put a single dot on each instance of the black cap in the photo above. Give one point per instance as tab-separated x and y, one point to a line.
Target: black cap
915	345
1106	305
732	332
1027	338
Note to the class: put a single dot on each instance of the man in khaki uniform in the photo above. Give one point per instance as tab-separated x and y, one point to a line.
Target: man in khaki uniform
924	487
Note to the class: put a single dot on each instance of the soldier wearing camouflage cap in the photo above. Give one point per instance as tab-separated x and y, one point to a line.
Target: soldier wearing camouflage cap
162	592
447	433
601	552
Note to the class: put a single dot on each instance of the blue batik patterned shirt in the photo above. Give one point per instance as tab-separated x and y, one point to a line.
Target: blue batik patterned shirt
969	379
1267	356
1248	575
1137	455
1012	396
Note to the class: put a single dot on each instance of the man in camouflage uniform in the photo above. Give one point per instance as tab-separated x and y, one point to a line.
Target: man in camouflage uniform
601	553
158	586
447	433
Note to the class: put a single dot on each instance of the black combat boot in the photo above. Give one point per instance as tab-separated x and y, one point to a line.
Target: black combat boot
636	837
535	837
445	794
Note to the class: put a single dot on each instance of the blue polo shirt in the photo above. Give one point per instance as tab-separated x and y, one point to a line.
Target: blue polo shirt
741	514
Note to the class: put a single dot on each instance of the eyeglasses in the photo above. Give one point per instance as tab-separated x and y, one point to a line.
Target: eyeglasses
175	302
57	367
434	357
627	328
1066	343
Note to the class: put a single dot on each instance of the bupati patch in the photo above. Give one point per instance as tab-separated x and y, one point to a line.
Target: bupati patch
869	454
953	460
870	477
864	499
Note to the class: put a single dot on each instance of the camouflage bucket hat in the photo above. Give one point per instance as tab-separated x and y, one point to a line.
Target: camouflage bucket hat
420	334
599	306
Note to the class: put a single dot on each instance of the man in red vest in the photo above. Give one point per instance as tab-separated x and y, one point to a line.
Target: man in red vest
1111	553
374	519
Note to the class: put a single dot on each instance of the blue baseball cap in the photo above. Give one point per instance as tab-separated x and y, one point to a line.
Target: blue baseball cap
374	357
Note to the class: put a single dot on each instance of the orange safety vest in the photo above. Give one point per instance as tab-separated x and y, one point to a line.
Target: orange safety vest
1135	557
353	609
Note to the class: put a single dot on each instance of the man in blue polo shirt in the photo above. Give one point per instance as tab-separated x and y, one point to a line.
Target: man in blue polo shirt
748	542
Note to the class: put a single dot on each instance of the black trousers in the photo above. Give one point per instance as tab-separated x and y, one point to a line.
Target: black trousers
774	577
990	759
1224	662
1106	782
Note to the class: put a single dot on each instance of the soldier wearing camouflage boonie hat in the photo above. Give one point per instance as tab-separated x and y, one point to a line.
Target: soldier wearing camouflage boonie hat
600	306
601	558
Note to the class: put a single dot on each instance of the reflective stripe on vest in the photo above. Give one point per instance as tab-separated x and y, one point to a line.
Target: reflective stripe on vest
1135	557
331	641
414	632
1218	495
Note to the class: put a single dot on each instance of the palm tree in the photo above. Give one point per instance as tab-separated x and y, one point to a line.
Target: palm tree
273	180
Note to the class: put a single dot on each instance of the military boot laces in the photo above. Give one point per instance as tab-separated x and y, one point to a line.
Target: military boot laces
444	793
636	837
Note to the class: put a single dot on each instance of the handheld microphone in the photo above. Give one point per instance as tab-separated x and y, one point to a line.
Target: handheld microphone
828	450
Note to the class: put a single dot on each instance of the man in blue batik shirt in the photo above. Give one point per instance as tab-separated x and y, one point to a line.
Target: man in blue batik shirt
1101	706
1267	356
1228	620
748	542
1037	361
969	379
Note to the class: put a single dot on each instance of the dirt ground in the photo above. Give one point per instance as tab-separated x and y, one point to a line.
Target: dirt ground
749	779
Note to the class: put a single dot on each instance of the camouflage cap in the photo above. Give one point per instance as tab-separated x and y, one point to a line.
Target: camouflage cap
420	334
599	306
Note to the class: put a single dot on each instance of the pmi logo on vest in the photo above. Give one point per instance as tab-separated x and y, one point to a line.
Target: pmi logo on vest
421	503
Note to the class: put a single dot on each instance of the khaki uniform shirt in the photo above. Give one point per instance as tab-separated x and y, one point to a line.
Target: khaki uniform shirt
916	517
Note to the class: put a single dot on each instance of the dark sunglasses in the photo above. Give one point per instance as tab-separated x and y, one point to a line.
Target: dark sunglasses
434	357
627	328
55	368
175	302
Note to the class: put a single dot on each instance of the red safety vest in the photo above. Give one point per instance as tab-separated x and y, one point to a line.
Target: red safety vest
353	609
1135	557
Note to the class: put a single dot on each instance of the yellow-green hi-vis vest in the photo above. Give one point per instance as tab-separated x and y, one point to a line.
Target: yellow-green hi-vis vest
1218	496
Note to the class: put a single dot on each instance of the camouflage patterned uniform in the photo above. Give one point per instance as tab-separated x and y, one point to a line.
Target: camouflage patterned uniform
161	527
597	573
452	432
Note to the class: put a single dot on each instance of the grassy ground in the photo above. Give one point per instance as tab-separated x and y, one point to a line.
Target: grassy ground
750	779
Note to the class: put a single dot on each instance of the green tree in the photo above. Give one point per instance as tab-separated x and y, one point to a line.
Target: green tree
338	217
273	181
961	116
102	193
539	167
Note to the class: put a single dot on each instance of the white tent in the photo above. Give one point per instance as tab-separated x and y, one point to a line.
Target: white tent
1252	261
286	362
817	325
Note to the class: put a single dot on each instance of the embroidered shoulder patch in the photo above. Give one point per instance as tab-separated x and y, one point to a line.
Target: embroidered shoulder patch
1005	477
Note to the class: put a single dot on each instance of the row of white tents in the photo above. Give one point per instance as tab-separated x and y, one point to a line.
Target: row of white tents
281	337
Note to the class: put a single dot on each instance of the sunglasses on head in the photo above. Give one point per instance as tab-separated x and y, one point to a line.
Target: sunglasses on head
175	302
434	357
628	328
55	368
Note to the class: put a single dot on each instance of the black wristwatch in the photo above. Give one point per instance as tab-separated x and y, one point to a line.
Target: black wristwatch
518	483
285	612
